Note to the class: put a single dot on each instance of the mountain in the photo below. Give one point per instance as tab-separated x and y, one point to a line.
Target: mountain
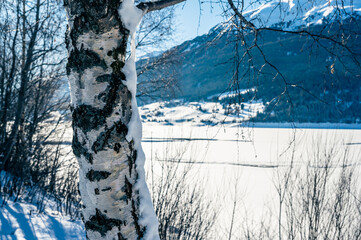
304	78
293	14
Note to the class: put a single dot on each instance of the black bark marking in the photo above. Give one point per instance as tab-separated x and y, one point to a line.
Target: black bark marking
106	189
119	63
140	230
120	237
97	175
132	158
106	138
115	53
79	60
88	118
96	191
78	189
128	190
104	78
121	128
117	147
115	89
79	149
124	198
102	140
101	223
117	67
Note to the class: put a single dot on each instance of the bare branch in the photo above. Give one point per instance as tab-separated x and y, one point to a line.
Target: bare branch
240	15
158	5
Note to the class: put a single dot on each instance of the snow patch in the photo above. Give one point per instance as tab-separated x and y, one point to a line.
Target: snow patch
221	96
130	15
22	221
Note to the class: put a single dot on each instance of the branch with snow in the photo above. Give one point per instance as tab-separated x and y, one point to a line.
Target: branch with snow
157	5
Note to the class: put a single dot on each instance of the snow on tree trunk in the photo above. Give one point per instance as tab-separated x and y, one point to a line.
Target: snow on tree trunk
106	124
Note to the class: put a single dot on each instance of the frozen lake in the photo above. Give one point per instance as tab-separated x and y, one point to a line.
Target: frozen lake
240	164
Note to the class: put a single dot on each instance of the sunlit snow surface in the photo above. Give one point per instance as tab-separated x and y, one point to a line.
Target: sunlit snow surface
22	221
235	163
202	113
224	155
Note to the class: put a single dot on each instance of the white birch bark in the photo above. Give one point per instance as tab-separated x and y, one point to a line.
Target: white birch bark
106	124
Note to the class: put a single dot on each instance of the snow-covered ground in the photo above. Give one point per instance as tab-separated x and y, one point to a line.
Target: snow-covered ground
200	113
223	156
242	163
22	221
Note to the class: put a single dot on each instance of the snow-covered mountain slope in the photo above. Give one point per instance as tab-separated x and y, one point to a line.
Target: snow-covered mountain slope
290	14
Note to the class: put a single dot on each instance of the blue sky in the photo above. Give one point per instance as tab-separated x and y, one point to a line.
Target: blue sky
193	20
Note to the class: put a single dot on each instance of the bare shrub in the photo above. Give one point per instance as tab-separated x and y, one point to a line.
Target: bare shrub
318	197
180	204
321	200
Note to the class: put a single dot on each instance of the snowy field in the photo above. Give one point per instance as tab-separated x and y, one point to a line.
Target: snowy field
233	163
241	163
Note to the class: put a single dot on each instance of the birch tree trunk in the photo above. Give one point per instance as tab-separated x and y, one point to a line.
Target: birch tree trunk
106	124
109	179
